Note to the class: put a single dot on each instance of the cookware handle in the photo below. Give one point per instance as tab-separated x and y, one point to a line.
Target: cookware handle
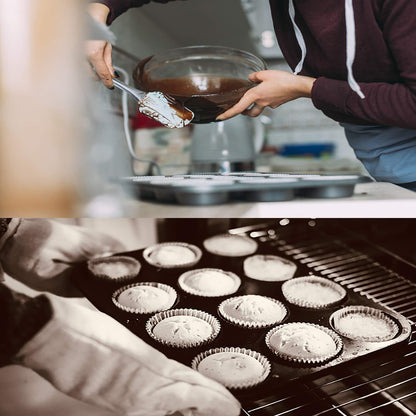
137	94
126	89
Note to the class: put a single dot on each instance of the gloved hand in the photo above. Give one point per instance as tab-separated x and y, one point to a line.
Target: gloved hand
93	358
41	251
23	392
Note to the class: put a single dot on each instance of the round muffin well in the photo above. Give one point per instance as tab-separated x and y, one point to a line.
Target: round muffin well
230	245
183	328
145	297
172	255
269	268
313	292
209	282
304	343
252	311
362	323
234	367
116	268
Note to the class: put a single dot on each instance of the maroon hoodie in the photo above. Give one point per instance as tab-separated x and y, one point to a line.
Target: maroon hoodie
383	62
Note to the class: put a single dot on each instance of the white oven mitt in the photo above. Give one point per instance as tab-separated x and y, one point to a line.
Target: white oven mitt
39	252
91	357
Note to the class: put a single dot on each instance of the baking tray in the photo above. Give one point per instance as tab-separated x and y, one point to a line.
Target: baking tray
99	292
221	188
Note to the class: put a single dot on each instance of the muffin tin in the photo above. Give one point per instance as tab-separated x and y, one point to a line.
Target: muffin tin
100	292
221	188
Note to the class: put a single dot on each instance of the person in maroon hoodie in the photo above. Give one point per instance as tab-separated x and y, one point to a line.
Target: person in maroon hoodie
355	59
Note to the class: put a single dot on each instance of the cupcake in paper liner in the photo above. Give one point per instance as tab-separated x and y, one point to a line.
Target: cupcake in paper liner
115	268
145	297
233	367
209	282
230	245
362	323
252	311
269	268
172	255
183	328
304	343
313	292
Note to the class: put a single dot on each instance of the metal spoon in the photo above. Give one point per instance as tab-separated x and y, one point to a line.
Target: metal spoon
159	106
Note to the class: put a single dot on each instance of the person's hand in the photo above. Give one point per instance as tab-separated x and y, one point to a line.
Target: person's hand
41	252
91	357
99	51
274	88
100	59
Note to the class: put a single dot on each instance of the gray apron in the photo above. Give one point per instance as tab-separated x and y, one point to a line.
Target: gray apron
388	153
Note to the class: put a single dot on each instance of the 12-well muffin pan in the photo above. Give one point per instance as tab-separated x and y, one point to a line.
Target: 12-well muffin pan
100	291
212	189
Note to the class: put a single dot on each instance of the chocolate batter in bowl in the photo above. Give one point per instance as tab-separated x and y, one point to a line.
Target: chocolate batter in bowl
206	79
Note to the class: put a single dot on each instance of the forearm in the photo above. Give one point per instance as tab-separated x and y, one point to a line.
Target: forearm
117	7
305	86
384	104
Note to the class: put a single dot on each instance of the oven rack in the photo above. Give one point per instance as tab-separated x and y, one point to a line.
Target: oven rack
382	385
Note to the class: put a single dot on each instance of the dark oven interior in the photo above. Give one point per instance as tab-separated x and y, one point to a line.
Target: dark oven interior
375	258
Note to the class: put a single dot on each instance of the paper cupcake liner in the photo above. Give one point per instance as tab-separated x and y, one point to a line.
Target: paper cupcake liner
310	361
196	250
290	293
243	384
252	272
364	310
251	245
130	262
169	290
159	317
185	287
250	324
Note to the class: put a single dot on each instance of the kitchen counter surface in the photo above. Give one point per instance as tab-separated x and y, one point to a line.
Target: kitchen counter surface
376	200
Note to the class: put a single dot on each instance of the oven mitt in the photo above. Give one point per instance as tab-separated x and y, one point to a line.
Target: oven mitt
91	357
40	252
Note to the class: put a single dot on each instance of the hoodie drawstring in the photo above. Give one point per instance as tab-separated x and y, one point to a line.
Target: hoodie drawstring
351	45
299	38
350	24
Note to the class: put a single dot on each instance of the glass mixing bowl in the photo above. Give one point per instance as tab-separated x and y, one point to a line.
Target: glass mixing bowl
206	79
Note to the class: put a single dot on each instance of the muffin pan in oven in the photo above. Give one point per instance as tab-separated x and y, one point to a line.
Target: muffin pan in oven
250	187
100	291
